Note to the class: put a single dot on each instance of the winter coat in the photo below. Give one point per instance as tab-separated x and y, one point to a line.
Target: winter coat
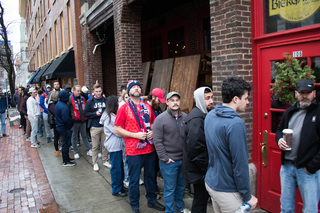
63	117
195	154
3	103
309	147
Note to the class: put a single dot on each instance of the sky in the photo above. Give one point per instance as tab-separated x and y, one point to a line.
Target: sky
12	21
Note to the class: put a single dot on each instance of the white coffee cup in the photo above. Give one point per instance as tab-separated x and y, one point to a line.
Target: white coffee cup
287	136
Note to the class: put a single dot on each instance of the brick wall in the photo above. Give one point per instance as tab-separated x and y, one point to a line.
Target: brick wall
231	48
127	43
92	65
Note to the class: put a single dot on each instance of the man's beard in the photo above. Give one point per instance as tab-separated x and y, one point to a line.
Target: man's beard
304	104
154	104
135	94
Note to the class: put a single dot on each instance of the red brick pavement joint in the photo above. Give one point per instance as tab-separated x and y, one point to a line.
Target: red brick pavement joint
21	167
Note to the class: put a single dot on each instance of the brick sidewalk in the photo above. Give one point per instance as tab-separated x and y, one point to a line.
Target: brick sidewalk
21	170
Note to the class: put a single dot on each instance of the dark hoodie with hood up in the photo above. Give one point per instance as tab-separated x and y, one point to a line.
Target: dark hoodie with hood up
62	113
226	138
24	102
195	154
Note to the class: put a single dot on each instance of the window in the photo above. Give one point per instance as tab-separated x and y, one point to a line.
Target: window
286	15
51	44
69	25
155	48
56	38
62	32
46	49
176	43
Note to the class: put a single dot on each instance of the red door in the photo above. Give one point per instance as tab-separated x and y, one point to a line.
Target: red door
269	114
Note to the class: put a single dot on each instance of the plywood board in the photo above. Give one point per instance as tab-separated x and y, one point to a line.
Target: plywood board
162	72
145	73
184	79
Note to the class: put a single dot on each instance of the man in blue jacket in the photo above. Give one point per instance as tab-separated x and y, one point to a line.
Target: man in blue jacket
44	105
227	178
64	126
3	107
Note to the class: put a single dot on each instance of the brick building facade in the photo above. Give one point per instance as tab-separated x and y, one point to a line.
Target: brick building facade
53	30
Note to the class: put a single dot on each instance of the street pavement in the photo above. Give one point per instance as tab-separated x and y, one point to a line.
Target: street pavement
34	180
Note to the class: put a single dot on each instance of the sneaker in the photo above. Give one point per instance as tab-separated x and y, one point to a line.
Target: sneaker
157	206
5	135
35	145
69	164
99	155
40	134
126	184
89	153
48	140
76	156
20	126
28	139
78	144
96	167
186	211
72	160
141	182
120	194
107	164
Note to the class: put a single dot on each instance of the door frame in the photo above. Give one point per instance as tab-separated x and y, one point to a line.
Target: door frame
289	37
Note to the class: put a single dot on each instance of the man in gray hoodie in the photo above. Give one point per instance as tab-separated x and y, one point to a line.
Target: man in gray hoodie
169	137
195	154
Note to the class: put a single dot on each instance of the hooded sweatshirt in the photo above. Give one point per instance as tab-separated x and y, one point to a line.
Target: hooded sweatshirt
195	154
226	138
62	113
44	100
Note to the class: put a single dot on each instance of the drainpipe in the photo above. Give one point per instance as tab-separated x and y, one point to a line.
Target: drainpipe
97	45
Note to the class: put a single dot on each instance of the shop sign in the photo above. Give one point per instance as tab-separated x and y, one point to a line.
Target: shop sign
293	10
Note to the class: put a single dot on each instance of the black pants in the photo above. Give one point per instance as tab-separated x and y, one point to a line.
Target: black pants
23	121
200	199
56	138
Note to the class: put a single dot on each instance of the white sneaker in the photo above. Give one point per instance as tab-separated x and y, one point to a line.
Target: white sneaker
89	153
96	167
107	164
99	155
126	184
76	156
186	211
28	139
141	182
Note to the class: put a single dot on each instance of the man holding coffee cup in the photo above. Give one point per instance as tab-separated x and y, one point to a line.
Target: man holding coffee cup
300	126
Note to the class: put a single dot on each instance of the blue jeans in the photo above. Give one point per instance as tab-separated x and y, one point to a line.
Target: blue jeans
116	171
41	124
135	164
66	143
309	186
174	185
125	166
3	122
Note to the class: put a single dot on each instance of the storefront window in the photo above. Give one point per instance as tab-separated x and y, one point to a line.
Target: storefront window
176	43
280	15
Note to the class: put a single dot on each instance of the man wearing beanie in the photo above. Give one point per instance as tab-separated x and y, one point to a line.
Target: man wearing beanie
134	122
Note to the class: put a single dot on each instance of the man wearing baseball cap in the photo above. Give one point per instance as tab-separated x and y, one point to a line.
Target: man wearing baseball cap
156	97
169	137
134	122
301	165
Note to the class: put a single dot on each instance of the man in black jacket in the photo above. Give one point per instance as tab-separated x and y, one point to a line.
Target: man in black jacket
195	156
301	165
